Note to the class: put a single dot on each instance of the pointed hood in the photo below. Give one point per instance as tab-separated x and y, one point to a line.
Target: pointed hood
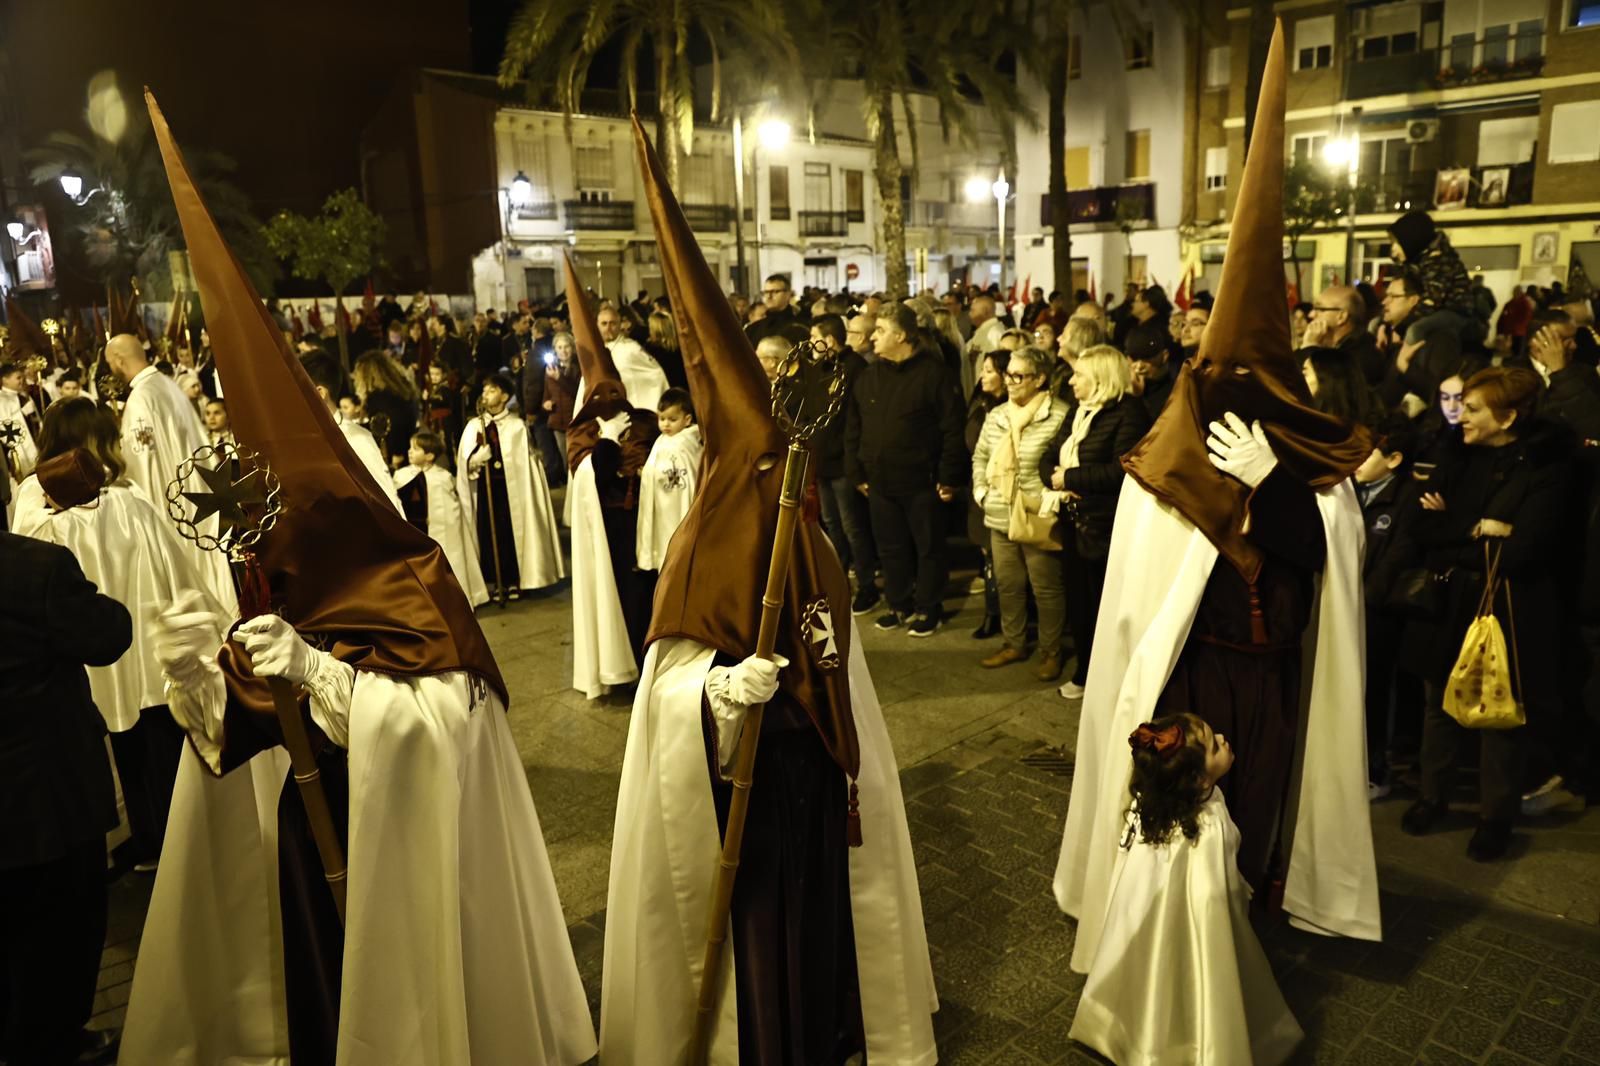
607	395
716	566
1246	364
346	566
24	338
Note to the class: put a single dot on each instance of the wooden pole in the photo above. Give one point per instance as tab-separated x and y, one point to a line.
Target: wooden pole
308	778
794	479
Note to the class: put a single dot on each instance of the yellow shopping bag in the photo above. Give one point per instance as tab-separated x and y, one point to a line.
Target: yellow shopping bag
1480	693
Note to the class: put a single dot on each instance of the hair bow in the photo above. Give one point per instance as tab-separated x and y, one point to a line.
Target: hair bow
1160	741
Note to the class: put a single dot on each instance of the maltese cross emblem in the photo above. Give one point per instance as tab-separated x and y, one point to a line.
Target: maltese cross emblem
674	478
824	643
10	435
144	436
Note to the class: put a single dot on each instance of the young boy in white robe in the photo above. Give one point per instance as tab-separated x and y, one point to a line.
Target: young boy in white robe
1180	975
428	497
667	482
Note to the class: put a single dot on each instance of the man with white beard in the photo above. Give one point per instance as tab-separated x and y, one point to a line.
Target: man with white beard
641	375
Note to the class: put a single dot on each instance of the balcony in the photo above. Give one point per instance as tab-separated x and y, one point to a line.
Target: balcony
601	215
1465	61
1134	202
823	224
708	217
1491	187
543	212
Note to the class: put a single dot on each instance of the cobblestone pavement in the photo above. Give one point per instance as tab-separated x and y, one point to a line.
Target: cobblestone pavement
1496	964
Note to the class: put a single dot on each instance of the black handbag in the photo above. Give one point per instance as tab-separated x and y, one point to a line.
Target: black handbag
1418	593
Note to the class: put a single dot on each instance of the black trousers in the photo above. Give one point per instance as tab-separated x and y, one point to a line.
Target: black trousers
1500	757
147	763
1084	579
849	526
52	930
910	543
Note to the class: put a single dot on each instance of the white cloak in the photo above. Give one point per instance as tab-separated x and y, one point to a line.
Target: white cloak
365	445
160	431
132	554
666	488
602	654
533	518
20	459
1180	977
447	524
642	377
456	952
1156	573
663	860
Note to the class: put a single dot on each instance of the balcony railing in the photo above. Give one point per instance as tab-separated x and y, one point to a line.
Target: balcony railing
1134	202
705	217
1463	62
545	212
609	214
823	224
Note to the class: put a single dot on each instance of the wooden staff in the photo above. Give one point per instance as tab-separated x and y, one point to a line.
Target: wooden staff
500	594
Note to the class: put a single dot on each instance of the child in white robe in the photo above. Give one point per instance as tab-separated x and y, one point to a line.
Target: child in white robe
1180	976
667	481
428	497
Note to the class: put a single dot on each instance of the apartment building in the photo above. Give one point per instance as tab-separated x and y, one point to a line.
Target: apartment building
1486	113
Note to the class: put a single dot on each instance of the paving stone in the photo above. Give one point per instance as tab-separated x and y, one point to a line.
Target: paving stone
1449	965
980	1042
1428	995
1513	971
1532	1038
1497	1003
1550	1002
1466	1033
1434	1055
1370	1052
1337	1025
1585	1039
1407	1029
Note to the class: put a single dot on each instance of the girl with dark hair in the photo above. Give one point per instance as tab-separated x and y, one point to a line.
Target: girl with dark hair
1178	965
1339	388
987	394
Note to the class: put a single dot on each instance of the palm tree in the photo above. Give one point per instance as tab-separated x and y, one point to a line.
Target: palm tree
951	51
551	45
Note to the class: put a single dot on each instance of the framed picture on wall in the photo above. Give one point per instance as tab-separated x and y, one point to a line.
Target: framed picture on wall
1450	189
1492	191
1545	247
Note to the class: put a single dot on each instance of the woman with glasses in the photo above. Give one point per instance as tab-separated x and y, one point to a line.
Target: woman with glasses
1006	484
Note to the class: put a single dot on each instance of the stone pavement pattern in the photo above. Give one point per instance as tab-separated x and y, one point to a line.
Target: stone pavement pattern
1497	965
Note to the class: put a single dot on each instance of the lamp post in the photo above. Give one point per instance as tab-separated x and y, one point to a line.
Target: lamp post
771	134
743	283
1345	152
517	195
1002	191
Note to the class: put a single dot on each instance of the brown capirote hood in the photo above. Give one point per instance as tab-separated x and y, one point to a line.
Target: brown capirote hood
716	565
1246	364
24	338
345	565
608	396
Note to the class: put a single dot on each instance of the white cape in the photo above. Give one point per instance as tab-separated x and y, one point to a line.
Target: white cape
666	489
21	457
642	377
664	855
133	555
533	518
1158	568
602	654
1180	977
365	445
456	952
448	526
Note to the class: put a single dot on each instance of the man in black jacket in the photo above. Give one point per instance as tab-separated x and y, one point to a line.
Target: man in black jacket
782	318
1412	368
904	452
56	803
1339	320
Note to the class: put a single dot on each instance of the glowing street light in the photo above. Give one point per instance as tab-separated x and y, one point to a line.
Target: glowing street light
773	133
521	191
1339	153
977	189
15	230
71	183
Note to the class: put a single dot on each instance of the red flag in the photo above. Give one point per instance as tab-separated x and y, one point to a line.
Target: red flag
341	316
297	328
1181	297
1292	291
314	316
369	299
1092	294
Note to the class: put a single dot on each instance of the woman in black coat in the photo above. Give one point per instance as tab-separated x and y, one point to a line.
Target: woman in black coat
1084	464
1507	488
989	393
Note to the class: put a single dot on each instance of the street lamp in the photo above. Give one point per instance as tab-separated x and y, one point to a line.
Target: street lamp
1001	190
773	134
1344	153
71	184
518	195
521	190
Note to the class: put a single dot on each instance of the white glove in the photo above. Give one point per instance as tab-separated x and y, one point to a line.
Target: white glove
1241	450
732	691
276	650
614	427
186	636
479	459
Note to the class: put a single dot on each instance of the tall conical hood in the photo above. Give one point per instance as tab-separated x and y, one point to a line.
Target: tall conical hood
716	566
345	564
1246	364
594	358
607	396
24	338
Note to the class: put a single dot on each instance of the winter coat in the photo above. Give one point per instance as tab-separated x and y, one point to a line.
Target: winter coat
903	427
1097	479
830	438
1035	438
978	409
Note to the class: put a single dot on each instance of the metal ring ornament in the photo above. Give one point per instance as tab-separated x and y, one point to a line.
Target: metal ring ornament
235	539
789	386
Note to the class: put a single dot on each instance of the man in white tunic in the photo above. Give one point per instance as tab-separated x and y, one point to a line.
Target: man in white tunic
428	497
636	368
1234	592
453	951
506	497
828	957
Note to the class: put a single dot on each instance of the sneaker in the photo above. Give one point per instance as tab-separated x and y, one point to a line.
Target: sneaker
1376	792
924	625
892	620
1551	796
148	866
1071	690
866	599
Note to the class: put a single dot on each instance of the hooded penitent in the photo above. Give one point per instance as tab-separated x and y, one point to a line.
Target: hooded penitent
607	397
24	338
346	566
715	570
1246	364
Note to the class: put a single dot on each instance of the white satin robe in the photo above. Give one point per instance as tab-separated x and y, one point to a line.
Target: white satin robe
533	518
602	654
666	488
448	525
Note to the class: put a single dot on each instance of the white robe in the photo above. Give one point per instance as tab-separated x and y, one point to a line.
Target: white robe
642	377
602	653
447	524
160	431
1156	573
666	488
365	445
21	457
664	857
533	518
132	554
1180	977
467	963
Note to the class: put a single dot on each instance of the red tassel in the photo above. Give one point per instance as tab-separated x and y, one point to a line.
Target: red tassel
255	594
852	820
1258	621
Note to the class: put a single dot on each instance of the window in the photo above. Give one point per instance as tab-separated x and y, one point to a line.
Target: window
530	155
1136	165
1507	141
1463	47
1583	13
1140	46
1392	30
778	193
1216	168
592	168
1496	45
1219	66
855	196
819	187
1307	146
1077	167
1074	57
1313	43
1529	39
1575	132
